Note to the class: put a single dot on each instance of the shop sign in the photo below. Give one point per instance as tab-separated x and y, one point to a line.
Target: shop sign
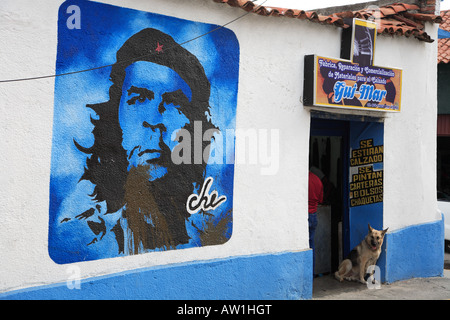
366	184
355	83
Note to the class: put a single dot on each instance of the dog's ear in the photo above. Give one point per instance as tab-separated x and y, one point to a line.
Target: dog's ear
384	231
370	228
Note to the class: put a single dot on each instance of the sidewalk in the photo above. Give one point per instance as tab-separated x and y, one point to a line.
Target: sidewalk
436	288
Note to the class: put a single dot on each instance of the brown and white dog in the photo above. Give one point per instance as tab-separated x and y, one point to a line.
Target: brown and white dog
354	267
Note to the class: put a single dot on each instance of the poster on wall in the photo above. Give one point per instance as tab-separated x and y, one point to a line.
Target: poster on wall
140	162
363	42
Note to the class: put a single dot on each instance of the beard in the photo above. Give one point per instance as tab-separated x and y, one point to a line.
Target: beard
154	210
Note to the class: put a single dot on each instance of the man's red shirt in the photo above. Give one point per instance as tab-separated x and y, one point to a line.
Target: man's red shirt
315	192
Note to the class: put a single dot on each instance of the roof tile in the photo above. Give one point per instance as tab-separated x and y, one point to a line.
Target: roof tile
408	6
388	11
395	19
445	25
444	44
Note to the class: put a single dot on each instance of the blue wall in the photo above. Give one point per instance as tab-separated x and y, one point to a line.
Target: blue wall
286	275
413	252
359	216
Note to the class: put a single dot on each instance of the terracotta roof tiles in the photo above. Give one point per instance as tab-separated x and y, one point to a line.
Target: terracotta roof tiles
396	19
444	44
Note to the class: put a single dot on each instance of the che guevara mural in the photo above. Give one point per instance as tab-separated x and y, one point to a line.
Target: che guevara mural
140	158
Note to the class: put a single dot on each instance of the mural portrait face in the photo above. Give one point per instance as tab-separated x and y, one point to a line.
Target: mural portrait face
151	110
114	187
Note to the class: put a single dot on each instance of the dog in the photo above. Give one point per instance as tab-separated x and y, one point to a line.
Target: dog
354	267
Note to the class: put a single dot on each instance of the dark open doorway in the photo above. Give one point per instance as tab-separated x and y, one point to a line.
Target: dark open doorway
348	151
328	157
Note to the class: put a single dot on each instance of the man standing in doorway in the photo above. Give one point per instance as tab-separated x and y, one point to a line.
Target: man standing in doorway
315	196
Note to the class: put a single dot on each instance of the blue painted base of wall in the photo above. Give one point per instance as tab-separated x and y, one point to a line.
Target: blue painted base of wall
286	275
413	252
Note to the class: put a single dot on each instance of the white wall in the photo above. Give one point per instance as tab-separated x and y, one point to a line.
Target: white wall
29	41
410	136
269	210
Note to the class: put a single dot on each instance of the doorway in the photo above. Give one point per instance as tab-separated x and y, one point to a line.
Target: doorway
348	155
327	159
